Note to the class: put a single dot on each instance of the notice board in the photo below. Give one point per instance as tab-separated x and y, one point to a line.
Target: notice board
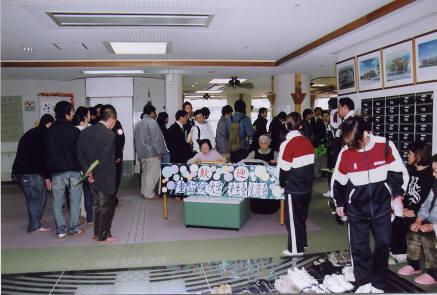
12	118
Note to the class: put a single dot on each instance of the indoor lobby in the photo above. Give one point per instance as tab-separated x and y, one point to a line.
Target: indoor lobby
284	56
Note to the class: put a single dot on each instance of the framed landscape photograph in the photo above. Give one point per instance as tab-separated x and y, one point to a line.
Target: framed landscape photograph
398	64
426	57
346	79
369	71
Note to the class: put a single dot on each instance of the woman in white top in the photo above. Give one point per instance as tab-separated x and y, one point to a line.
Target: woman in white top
205	131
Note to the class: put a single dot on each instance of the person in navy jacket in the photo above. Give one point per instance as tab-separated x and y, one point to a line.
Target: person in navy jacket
368	172
296	163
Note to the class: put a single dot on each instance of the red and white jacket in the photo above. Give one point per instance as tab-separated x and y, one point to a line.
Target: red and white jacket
365	180
296	163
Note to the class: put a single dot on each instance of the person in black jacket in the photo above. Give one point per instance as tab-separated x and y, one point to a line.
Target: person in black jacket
180	150
277	130
260	126
64	167
162	121
186	106
307	126
98	143
419	185
119	147
30	170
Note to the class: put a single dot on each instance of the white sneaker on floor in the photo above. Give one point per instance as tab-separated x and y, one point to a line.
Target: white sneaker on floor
288	253
364	288
348	272
397	258
343	282
304	281
327	194
332	284
376	290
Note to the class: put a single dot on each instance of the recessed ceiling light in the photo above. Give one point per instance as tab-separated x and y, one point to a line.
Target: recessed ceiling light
27	49
115	72
209	91
130	19
138	47
224	81
318	85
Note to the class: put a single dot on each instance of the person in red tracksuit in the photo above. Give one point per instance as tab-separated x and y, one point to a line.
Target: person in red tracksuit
296	163
368	172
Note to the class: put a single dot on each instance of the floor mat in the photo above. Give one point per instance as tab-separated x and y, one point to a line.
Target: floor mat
244	276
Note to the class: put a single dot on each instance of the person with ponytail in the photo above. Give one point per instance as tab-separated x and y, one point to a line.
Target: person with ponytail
296	163
423	235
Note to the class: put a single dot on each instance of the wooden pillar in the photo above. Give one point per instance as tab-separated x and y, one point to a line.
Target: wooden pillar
282	212
165	206
298	96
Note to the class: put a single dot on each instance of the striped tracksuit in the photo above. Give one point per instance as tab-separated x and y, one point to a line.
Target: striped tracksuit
296	163
363	183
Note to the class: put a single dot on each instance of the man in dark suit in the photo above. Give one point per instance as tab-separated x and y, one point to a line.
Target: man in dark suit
180	149
98	143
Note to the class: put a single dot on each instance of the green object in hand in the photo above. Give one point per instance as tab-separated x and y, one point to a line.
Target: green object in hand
91	168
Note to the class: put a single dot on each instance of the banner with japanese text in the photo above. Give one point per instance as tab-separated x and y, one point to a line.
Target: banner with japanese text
221	180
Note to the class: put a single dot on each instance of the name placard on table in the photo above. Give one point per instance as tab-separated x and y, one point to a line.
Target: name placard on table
221	180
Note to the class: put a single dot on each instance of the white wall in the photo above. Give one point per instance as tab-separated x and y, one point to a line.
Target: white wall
405	32
142	87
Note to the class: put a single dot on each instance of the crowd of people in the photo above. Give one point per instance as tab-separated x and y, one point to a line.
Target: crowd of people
370	185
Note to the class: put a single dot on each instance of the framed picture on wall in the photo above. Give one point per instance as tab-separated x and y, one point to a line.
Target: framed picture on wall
398	64
426	57
346	79
369	71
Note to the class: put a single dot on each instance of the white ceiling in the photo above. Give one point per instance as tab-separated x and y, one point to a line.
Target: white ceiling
240	30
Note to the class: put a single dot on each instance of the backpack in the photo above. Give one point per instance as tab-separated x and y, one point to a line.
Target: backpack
235	142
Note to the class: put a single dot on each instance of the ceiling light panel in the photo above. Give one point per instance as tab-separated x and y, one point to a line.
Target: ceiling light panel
137	47
130	19
224	81
113	72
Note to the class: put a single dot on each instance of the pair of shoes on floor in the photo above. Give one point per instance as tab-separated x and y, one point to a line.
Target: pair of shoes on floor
348	272
42	230
61	236
304	281
339	258
337	283
288	253
368	288
394	259
425	279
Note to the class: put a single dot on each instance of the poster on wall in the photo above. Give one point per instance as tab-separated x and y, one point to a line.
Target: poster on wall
426	57
369	71
221	180
11	118
398	64
47	104
346	79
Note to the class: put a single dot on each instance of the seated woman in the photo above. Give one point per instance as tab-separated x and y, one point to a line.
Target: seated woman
263	206
264	152
206	154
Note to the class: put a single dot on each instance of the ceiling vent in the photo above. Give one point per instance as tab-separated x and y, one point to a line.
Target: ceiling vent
129	19
70	46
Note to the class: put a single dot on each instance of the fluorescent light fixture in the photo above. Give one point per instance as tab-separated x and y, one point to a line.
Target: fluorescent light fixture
115	72
224	81
209	91
129	19
318	85
137	47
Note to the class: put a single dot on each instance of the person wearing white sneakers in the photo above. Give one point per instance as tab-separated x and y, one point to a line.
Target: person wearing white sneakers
296	163
369	170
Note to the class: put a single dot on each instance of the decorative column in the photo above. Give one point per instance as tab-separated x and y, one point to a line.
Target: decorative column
292	92
173	95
